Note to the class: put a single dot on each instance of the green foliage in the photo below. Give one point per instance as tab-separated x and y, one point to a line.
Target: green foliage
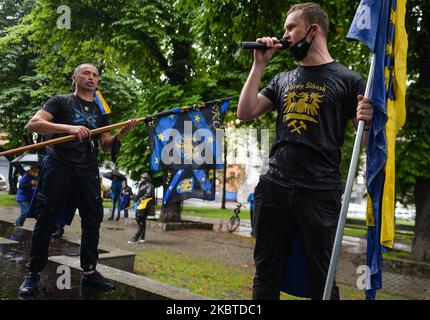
160	54
215	279
17	78
413	145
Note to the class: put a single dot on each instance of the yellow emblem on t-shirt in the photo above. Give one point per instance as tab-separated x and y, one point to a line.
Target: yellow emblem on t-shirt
299	108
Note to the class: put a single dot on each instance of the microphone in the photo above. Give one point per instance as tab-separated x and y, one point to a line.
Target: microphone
262	46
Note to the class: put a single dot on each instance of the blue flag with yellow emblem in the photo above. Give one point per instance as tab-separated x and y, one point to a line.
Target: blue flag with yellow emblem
187	137
182	184
186	143
380	25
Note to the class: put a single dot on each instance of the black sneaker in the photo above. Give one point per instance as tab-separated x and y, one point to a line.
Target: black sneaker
30	285
96	280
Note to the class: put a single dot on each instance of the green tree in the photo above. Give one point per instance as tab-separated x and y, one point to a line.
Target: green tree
160	54
17	76
413	162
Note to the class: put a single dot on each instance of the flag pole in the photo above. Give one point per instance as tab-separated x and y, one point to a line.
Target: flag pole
347	196
109	127
66	138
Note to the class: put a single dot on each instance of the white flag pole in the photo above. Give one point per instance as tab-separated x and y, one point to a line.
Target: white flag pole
346	196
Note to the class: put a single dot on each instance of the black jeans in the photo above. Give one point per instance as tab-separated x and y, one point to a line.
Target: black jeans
278	213
61	182
115	202
141	221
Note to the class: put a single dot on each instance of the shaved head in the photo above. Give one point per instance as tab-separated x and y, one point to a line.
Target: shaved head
86	77
78	68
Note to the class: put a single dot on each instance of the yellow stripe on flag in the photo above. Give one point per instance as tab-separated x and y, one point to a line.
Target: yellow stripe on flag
104	103
396	111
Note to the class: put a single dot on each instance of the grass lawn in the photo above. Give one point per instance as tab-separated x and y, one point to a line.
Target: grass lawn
362	233
213	212
394	255
213	279
107	203
403	222
8	200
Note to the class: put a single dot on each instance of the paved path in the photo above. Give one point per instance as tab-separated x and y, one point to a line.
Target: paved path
235	250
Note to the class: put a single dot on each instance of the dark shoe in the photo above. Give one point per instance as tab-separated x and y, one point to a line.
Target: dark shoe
30	285
111	218
117	218
58	233
96	280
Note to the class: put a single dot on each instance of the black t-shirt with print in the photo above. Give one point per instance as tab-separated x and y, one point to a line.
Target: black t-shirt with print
314	104
72	110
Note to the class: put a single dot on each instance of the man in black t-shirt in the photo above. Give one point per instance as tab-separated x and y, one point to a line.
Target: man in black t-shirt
300	195
70	173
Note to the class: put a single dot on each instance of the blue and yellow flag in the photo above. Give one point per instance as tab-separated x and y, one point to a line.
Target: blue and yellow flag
182	184
380	25
101	103
187	137
186	143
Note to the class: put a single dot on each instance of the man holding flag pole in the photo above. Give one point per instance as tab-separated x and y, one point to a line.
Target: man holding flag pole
379	24
297	202
70	174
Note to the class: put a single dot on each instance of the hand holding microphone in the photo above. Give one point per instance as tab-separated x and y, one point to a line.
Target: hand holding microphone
262	46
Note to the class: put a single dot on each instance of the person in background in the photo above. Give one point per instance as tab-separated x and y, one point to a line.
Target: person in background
124	200
116	187
146	206
103	189
251	211
26	186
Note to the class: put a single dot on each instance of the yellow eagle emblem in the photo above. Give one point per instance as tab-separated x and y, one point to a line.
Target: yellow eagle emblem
301	106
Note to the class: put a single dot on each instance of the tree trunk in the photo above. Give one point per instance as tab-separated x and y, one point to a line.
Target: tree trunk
13	180
171	212
421	243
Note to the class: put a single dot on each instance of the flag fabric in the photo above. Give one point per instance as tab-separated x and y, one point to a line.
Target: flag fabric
380	25
186	143
182	184
295	279
187	137
101	103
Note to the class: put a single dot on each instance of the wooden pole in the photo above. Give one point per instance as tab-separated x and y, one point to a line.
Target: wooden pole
110	127
66	138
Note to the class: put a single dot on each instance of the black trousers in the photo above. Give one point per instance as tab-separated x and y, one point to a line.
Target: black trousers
141	221
278	213
61	182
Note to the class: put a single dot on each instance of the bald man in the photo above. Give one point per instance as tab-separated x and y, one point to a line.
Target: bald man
71	172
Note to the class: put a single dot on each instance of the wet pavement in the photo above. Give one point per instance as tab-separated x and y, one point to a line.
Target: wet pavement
12	274
13	259
57	247
235	250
